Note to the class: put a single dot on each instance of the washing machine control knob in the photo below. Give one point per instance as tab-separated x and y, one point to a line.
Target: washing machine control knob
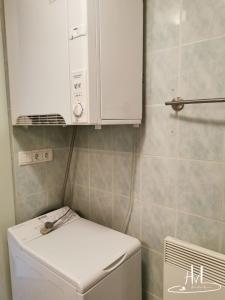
78	110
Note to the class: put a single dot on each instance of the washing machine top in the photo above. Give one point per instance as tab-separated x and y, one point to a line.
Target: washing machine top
80	251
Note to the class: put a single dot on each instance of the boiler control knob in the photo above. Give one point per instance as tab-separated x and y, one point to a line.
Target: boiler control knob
78	110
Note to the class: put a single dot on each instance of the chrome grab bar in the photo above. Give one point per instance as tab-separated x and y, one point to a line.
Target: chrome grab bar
178	103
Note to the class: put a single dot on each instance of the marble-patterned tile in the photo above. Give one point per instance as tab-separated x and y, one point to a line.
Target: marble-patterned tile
203	70
202	19
80	169
134	227
201	134
159	133
137	139
82	137
26	139
101	170
199	231
55	197
30	179
101	139
57	136
28	207
101	207
223	209
55	170
120	211
148	296
162	24
152	266
122	173
123	138
157	223
161	76
136	168
222	249
81	201
200	188
158	181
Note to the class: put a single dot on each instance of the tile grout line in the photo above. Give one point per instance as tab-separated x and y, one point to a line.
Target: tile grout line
151	294
173	209
177	117
151	156
182	45
141	196
152	250
89	176
222	163
218	37
45	168
222	206
113	183
157	51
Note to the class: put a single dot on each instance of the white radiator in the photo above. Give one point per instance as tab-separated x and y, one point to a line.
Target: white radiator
192	272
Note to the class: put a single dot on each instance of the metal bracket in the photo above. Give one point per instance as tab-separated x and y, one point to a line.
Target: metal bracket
176	105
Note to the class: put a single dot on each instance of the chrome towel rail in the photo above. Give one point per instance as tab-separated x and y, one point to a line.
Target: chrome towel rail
179	103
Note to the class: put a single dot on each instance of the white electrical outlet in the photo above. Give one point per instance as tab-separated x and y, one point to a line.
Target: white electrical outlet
25	158
35	156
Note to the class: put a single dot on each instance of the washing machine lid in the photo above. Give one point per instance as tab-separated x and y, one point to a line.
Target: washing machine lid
81	251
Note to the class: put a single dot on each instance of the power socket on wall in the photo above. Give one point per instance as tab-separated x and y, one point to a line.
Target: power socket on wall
34	157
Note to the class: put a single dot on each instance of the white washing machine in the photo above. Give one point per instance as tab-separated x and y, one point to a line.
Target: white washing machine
79	260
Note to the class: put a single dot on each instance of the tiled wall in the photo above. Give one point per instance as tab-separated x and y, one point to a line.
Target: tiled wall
179	184
180	158
39	187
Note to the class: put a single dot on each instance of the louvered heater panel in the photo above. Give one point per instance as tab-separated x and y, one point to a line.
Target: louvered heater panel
192	272
38	120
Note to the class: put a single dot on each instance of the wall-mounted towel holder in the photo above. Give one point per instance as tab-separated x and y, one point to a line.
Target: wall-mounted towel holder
179	103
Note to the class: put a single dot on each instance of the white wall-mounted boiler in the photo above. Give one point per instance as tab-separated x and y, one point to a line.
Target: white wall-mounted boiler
75	62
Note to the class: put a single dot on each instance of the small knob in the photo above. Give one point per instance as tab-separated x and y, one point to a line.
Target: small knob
78	110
